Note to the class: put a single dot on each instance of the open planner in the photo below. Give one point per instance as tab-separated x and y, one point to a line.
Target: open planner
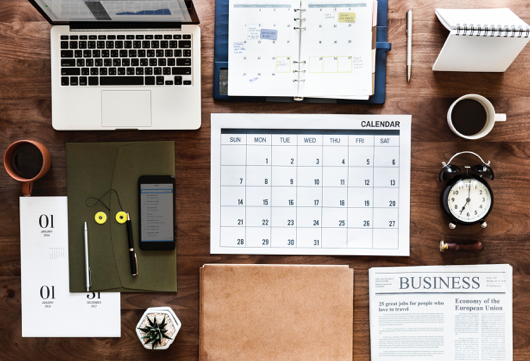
301	48
481	40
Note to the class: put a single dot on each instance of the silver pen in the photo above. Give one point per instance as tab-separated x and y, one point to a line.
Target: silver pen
409	43
88	279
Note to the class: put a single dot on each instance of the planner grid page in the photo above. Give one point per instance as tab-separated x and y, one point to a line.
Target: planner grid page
337	48
262	46
310	184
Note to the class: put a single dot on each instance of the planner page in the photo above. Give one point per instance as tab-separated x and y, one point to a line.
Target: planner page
263	43
48	308
310	184
337	48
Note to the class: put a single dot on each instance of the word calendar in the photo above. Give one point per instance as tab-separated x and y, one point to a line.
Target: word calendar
310	184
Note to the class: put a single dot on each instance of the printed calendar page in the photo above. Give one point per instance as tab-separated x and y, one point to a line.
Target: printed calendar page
310	184
262	47
48	308
336	46
300	48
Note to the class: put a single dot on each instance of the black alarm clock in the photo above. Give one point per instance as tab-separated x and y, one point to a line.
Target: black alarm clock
466	198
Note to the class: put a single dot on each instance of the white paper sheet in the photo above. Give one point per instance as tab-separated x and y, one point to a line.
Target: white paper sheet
48	308
310	184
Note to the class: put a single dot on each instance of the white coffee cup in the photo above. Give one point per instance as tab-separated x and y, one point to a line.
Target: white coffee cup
491	117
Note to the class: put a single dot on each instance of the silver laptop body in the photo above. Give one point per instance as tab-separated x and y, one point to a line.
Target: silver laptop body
124	64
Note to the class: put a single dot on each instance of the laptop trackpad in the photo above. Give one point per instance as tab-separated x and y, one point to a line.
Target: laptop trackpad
128	109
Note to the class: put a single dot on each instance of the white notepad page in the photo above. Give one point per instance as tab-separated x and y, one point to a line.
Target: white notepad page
480	52
48	308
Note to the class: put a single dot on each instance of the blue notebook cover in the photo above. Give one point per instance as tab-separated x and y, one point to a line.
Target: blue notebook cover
220	81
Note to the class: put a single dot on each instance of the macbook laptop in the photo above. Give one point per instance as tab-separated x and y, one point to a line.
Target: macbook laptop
124	64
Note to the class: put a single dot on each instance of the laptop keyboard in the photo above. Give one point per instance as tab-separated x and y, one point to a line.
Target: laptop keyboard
119	60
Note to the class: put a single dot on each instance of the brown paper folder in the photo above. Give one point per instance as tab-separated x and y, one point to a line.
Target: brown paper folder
276	312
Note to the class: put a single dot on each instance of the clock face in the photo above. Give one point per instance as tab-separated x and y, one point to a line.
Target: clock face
469	200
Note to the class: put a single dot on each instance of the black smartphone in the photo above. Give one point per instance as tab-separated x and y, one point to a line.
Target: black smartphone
157	212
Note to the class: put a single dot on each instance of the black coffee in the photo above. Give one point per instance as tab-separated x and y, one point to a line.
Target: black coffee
469	117
27	160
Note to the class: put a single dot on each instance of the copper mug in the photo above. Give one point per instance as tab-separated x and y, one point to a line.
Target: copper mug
27	183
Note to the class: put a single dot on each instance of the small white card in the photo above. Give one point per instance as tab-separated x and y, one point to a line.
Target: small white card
48	307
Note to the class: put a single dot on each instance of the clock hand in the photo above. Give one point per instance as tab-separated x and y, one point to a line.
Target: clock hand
464	207
468	198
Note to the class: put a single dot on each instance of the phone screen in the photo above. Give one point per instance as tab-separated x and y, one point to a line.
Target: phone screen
156	207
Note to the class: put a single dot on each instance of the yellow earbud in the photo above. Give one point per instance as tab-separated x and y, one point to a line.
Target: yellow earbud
100	217
121	217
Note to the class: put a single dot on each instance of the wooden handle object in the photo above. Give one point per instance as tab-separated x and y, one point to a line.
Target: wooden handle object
475	246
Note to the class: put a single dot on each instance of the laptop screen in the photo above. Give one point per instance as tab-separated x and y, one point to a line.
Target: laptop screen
65	11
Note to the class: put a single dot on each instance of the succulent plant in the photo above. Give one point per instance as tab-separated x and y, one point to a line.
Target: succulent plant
154	332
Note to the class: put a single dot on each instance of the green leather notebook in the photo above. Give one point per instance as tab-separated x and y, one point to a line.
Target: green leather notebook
92	169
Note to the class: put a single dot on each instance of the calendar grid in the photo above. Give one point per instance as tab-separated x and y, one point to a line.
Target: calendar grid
337	157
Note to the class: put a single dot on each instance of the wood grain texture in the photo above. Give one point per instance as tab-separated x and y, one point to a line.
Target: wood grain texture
25	113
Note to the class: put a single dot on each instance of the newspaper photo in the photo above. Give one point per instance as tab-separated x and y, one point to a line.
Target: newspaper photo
441	313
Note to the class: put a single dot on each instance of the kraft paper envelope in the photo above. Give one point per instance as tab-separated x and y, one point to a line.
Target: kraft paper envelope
92	170
275	312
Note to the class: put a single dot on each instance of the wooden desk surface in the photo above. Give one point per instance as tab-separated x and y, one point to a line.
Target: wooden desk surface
25	113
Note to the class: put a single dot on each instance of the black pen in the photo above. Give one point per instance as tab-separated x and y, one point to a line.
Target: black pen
134	260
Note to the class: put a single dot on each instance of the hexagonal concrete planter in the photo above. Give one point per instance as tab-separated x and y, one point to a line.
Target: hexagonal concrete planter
173	325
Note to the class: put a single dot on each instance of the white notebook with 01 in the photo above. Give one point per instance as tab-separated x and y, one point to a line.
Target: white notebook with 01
48	307
481	40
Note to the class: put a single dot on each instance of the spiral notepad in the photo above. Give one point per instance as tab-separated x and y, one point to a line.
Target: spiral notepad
481	40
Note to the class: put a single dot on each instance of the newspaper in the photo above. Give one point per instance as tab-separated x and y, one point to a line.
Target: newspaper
441	313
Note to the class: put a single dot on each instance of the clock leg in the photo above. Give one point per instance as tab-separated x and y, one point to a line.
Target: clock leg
452	225
483	224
